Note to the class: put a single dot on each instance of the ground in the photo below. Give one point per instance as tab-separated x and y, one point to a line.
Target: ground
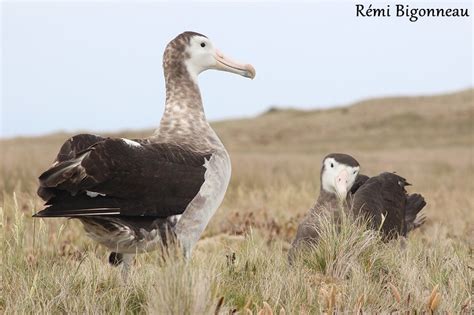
240	264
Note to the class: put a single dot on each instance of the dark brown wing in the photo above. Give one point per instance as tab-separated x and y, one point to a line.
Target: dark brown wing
359	181
76	144
69	151
134	180
383	197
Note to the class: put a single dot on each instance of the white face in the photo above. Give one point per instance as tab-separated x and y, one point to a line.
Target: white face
204	56
338	178
201	53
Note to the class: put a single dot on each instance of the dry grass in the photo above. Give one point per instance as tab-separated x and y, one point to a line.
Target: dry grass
49	266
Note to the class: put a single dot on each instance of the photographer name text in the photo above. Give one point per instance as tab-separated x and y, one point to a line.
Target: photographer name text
411	13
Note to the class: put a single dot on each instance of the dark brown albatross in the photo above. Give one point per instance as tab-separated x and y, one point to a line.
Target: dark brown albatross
130	194
382	199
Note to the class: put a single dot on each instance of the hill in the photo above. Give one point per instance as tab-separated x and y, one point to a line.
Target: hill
415	121
373	124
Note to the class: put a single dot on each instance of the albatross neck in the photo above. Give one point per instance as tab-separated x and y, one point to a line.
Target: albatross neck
328	200
184	121
183	98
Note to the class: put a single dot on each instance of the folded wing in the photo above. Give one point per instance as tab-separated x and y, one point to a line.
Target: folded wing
385	201
104	176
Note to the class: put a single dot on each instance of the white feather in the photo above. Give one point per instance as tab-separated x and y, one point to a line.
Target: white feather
93	194
132	143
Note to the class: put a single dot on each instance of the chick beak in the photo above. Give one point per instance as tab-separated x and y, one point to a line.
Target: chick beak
341	183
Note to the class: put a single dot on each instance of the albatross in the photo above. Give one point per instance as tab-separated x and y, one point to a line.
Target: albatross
132	194
382	199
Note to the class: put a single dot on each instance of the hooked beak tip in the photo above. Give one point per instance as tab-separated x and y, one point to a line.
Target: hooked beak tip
250	71
226	64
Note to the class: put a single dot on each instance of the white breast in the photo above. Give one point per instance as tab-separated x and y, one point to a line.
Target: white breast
200	210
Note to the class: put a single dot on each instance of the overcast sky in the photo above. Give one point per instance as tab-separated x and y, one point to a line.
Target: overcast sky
97	65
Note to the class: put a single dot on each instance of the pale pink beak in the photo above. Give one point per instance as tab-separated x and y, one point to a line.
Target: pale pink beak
341	183
226	64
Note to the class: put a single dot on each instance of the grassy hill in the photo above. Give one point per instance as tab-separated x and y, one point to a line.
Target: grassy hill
367	125
50	266
425	120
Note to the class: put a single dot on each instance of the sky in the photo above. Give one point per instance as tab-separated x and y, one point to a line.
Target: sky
96	66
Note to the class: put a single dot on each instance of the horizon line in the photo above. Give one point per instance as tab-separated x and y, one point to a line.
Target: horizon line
225	119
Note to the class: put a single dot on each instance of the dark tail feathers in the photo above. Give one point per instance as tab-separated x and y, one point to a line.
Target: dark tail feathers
413	218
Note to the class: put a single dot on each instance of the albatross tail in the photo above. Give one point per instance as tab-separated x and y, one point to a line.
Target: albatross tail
413	217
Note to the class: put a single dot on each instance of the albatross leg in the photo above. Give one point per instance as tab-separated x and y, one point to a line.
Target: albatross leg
127	261
187	250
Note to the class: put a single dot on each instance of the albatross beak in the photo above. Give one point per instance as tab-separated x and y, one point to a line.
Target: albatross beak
341	184
224	63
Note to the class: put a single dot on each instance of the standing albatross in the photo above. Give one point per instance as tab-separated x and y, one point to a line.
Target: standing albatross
131	194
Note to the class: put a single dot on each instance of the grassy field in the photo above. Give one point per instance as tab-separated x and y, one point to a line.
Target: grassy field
239	265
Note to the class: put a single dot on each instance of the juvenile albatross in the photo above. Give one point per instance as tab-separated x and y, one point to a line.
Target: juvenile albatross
338	174
131	194
382	199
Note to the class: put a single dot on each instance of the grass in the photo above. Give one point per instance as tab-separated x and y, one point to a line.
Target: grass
240	264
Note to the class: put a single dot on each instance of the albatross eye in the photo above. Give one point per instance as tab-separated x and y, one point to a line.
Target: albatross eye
203	44
332	165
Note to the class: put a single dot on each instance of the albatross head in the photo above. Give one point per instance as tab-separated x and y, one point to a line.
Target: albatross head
338	174
198	54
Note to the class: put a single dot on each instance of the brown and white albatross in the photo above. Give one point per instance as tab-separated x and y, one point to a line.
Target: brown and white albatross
131	194
382	199
338	174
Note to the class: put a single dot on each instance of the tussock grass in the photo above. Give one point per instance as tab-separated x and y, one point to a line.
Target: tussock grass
50	266
342	246
350	269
